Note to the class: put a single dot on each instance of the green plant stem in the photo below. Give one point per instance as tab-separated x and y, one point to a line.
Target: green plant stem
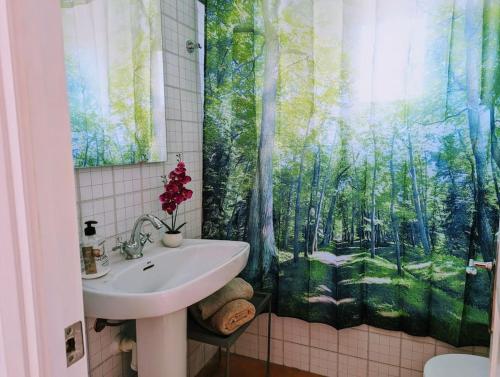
175	218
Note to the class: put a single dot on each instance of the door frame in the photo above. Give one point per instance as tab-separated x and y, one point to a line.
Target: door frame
41	290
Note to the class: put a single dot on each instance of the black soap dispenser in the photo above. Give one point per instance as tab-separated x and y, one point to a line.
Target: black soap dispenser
95	260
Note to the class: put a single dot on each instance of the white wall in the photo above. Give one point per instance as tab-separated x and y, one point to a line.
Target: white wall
116	196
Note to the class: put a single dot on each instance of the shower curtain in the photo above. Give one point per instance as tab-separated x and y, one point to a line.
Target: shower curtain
353	144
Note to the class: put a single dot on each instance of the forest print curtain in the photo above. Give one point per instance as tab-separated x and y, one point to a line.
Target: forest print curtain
114	71
354	145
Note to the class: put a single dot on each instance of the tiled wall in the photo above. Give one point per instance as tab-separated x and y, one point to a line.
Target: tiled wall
116	196
362	351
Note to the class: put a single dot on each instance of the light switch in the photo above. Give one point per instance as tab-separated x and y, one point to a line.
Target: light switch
73	336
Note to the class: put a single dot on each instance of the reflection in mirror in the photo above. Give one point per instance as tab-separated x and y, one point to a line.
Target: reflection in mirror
114	69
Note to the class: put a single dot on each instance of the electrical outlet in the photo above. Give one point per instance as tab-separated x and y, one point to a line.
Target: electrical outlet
73	336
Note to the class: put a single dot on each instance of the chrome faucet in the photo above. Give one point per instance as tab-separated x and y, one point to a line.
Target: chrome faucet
132	249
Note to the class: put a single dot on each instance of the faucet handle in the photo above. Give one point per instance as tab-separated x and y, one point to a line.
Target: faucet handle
473	266
145	237
119	244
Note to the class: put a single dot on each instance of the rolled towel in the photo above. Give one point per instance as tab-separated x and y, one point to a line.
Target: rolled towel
235	289
232	316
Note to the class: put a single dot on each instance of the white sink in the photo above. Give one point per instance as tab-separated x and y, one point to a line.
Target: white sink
157	289
164	280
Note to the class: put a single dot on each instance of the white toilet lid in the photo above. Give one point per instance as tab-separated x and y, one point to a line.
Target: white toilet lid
457	365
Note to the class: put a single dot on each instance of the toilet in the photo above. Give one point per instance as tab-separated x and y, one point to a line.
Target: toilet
457	365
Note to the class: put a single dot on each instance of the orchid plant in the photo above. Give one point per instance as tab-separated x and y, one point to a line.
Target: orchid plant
175	194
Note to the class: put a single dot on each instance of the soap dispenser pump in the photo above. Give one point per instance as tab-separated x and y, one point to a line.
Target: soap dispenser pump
95	260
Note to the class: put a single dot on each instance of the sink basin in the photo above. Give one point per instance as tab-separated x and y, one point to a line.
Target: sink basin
164	280
156	290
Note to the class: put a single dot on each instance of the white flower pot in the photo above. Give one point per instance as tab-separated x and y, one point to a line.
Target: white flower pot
172	240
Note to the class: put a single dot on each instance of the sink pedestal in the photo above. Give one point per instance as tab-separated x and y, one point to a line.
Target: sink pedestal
156	290
162	345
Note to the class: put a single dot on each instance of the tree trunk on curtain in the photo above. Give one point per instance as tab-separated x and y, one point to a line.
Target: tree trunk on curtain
362	212
326	182
286	225
353	220
373	237
267	133
491	80
330	217
314	246
493	150
253	266
311	213
495	145
478	118
298	214
416	197
394	218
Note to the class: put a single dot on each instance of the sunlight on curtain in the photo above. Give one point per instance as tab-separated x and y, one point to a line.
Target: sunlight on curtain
114	69
384	157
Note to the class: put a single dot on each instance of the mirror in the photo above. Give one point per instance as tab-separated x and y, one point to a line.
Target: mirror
114	70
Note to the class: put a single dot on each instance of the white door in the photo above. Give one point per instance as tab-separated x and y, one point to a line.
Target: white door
40	286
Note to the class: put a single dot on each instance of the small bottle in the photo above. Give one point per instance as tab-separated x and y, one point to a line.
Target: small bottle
95	260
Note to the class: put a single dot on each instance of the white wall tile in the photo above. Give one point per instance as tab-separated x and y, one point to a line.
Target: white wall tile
196	360
193	346
350	366
384	349
169	8
277	349
421	339
411	373
323	362
210	351
414	354
172	69
324	337
96	372
444	348
254	327
96	175
170	37
481	351
248	345
86	193
276	326
189	106
187	74
382	370
296	356
353	342
173	103
376	330
84	178
186	13
295	331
